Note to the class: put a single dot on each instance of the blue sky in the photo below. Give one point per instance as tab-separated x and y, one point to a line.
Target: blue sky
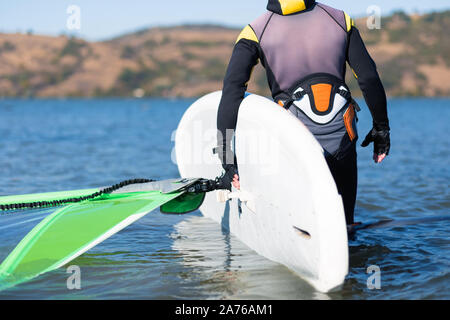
102	19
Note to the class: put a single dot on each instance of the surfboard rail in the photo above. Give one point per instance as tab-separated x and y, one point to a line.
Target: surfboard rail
281	165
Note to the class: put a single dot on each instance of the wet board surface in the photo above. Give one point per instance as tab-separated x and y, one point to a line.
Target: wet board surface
295	215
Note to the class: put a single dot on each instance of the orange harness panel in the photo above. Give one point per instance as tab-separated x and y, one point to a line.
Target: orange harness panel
322	95
349	115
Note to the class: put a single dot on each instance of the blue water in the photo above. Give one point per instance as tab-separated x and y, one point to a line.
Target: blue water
49	145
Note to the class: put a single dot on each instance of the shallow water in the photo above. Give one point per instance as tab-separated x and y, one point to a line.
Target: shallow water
50	145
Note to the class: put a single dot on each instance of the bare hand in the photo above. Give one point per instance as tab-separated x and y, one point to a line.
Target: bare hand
379	157
236	182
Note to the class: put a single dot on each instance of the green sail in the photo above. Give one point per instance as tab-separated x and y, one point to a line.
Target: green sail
72	230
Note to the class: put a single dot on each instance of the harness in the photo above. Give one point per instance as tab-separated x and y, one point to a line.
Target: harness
325	104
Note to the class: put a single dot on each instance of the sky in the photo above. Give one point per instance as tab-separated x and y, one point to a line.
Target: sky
104	19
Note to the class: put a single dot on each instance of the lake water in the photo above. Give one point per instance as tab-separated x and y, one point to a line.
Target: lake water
50	145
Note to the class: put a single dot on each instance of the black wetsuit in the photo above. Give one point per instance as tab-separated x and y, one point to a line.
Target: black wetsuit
294	41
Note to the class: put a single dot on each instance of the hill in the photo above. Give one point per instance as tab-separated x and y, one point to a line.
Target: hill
412	54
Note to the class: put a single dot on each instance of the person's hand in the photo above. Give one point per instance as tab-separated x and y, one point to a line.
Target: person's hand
381	143
378	157
236	182
228	178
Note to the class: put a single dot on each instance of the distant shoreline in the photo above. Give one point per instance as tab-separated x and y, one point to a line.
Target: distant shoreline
190	60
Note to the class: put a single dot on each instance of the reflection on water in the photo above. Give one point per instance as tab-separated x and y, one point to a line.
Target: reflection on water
228	269
50	145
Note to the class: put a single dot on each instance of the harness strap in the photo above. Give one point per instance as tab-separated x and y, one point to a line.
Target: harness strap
300	94
296	96
346	94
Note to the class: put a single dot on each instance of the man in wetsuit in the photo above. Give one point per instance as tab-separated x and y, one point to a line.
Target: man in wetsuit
304	46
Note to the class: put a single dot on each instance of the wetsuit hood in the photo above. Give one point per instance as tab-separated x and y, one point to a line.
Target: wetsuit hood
285	7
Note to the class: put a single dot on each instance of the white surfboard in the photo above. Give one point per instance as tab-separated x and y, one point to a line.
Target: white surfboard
288	209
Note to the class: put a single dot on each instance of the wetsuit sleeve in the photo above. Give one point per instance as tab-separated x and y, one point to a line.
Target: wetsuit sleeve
243	59
369	81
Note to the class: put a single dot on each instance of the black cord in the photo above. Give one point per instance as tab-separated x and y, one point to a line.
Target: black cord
55	203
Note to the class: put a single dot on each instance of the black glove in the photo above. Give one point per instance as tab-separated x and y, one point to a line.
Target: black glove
228	159
224	181
381	141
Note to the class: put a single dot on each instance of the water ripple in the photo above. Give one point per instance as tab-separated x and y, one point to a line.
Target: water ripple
50	145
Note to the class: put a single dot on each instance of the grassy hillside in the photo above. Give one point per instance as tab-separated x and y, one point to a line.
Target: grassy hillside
412	54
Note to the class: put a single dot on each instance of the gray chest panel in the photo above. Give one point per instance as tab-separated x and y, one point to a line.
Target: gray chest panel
298	45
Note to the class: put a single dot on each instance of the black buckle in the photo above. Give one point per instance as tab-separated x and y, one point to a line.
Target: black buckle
299	94
346	94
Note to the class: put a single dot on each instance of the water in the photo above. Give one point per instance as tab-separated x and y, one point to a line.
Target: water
49	145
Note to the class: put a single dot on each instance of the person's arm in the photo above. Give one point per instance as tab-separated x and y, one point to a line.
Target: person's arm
244	58
369	81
